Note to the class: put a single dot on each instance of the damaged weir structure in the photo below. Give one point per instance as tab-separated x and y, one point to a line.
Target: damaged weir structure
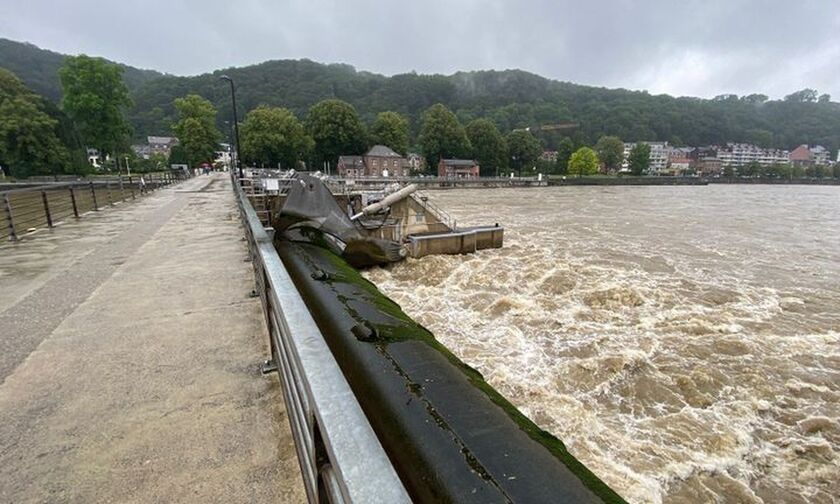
380	410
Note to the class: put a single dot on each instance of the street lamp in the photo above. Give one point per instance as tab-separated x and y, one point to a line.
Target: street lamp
235	124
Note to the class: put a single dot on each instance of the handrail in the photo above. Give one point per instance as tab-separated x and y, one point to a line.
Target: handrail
341	458
35	206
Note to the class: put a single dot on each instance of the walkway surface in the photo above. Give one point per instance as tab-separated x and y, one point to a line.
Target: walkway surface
129	352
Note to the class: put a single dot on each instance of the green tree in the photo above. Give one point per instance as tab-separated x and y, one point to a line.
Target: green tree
610	150
565	149
196	129
751	169
639	158
390	129
336	129
29	144
95	98
488	146
523	149
442	136
272	135
729	171
806	95
836	170
178	156
584	162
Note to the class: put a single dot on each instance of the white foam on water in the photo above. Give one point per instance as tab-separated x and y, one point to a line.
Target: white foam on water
683	342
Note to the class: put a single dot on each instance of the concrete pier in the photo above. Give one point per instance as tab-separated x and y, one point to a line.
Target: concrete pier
129	348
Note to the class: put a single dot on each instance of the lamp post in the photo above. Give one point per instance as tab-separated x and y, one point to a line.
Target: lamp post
235	124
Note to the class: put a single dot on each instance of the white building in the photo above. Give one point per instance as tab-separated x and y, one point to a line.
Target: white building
820	155
659	154
739	154
223	156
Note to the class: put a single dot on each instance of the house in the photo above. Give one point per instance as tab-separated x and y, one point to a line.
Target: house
806	155
379	161
705	161
155	145
458	168
351	167
161	145
382	161
679	165
549	155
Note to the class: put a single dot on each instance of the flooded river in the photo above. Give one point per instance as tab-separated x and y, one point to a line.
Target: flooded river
683	341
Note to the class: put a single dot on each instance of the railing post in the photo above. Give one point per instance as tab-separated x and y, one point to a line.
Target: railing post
73	200
93	195
46	208
10	221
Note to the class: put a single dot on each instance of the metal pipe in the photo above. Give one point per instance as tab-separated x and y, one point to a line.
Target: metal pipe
387	201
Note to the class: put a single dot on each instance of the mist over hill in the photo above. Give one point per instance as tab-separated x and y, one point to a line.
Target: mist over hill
511	98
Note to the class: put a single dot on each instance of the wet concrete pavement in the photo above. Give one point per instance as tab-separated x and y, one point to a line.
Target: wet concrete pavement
128	360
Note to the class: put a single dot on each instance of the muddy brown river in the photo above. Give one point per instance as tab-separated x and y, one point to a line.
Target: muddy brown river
683	341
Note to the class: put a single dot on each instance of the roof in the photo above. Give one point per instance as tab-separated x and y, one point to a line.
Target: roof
350	160
459	162
382	151
801	153
161	140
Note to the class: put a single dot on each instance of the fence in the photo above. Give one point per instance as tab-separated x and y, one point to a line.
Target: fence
31	208
340	457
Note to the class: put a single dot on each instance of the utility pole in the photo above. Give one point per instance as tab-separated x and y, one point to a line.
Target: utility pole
238	161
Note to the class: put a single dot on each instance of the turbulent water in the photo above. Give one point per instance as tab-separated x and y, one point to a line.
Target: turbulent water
683	341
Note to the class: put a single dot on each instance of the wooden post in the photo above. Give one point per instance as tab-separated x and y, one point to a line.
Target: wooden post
73	200
47	208
93	194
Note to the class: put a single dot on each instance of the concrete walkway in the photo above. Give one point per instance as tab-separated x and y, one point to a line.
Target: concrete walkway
128	360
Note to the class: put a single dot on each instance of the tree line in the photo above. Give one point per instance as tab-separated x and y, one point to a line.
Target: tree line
95	109
511	99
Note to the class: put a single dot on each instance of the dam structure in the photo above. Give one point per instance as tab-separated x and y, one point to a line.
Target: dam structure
134	341
433	428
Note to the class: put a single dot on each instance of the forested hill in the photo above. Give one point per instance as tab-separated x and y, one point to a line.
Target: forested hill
512	98
38	68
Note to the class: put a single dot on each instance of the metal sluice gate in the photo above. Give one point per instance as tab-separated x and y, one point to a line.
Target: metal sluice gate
379	410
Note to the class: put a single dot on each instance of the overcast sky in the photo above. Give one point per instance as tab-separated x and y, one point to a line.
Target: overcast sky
680	47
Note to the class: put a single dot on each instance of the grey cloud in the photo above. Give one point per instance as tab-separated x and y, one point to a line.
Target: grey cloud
687	47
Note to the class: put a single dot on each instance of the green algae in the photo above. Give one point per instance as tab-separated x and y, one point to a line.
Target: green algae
400	328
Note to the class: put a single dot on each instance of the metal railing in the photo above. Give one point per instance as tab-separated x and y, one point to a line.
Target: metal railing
341	459
439	213
44	206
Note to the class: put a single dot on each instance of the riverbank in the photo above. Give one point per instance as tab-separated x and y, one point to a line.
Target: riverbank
682	181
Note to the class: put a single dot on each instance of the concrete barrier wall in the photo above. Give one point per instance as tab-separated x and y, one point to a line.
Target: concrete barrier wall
450	243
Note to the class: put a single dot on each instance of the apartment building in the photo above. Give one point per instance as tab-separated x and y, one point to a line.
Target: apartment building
660	152
740	154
